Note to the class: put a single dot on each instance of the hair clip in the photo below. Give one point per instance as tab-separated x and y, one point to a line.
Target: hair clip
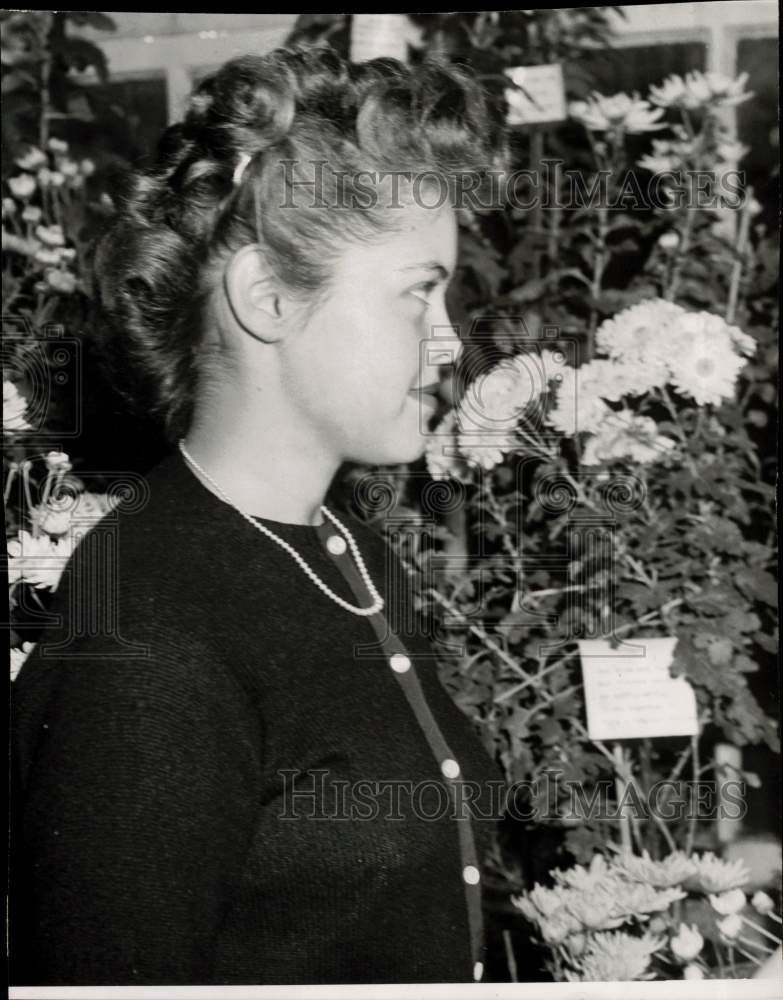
244	159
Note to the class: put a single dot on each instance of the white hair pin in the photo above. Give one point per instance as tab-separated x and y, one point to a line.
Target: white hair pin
244	159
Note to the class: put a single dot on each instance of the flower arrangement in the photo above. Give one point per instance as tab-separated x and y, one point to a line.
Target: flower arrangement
50	201
42	214
57	511
580	918
642	353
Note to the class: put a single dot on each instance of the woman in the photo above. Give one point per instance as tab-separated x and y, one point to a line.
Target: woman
244	782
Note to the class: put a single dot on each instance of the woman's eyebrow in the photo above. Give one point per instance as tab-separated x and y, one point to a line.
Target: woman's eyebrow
428	265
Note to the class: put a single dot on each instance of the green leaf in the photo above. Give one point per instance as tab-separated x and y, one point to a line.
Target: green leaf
758	583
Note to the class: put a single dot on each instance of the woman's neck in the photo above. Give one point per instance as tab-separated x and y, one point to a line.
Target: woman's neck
264	467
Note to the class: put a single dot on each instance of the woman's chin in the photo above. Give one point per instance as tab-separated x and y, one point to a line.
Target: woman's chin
399	450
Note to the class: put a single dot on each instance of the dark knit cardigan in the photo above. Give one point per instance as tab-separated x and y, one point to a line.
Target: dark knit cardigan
196	679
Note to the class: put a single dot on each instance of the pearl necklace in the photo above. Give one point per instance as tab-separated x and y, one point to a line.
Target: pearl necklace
377	603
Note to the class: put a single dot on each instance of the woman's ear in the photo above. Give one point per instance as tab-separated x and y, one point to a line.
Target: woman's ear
254	294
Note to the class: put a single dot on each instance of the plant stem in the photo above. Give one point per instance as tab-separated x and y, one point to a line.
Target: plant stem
692	818
510	959
736	271
760	929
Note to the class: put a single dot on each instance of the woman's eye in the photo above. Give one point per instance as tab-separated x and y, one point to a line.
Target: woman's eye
423	291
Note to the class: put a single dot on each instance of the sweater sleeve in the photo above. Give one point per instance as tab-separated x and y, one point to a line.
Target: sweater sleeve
136	793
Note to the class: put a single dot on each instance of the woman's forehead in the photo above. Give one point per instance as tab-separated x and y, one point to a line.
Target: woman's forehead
422	237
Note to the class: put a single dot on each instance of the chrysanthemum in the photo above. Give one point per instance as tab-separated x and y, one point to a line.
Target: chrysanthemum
713	874
620	113
496	400
579	877
730	926
670	871
39	561
700	90
668	155
616	957
539	901
687	942
706	364
579	406
595	909
635	898
729	902
640	334
626	435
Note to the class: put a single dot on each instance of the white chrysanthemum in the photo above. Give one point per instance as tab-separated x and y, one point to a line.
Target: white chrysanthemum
713	874
32	159
51	236
484	449
619	112
706	363
579	877
491	409
18	656
692	971
582	393
497	399
729	902
555	929
730	926
577	409
616	957
544	901
31	213
636	898
762	902
596	909
641	335
670	871
668	156
57	461
82	511
14	408
687	942
670	93
700	90
627	435
39	561
22	186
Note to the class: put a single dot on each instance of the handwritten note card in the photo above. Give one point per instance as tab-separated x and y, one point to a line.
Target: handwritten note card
542	97
629	692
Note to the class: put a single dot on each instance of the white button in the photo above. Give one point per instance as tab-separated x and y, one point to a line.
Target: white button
471	874
400	663
336	545
450	768
478	971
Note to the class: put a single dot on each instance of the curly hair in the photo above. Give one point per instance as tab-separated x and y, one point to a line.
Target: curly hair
184	216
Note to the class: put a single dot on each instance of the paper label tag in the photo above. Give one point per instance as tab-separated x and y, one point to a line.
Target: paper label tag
542	98
630	694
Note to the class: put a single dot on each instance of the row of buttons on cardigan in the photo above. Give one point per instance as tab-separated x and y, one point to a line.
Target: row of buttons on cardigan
401	664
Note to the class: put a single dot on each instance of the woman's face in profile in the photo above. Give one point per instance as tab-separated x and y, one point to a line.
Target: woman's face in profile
380	333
